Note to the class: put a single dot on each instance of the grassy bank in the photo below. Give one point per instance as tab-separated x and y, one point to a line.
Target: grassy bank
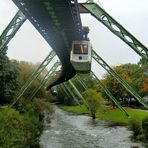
75	109
111	114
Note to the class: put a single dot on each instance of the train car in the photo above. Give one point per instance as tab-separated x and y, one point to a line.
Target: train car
81	56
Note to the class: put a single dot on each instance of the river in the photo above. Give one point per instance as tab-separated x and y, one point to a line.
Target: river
78	131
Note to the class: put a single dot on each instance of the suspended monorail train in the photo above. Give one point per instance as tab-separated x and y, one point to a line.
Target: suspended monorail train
81	56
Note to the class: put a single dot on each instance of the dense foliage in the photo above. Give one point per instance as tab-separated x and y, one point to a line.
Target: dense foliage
134	75
21	127
8	78
139	128
17	130
26	70
94	100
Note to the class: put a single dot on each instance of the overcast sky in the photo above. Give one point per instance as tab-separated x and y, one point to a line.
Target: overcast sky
28	44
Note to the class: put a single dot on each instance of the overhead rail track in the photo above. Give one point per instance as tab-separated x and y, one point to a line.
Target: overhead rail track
59	23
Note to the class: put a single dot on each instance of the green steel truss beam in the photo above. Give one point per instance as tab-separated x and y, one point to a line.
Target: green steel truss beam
71	93
109	94
45	80
34	75
100	61
11	29
101	15
103	87
65	91
78	93
81	81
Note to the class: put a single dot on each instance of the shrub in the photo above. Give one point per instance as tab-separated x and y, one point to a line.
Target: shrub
18	131
135	126
95	101
145	127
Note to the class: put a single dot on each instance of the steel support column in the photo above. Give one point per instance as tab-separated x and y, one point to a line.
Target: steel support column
81	81
108	93
45	80
101	62
71	93
78	93
11	29
34	75
102	16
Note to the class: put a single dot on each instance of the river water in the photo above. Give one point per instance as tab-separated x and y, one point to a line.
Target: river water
77	131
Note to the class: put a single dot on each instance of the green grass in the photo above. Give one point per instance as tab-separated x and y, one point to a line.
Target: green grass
76	109
114	115
117	116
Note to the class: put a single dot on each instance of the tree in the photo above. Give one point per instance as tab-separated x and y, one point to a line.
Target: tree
94	100
117	90
144	65
26	70
8	78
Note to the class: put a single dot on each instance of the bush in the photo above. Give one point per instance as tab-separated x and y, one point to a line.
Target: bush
145	127
95	101
18	131
135	126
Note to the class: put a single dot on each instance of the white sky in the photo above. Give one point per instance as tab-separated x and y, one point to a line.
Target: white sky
28	44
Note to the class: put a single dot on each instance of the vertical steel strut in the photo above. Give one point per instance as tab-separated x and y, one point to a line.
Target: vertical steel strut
108	93
100	61
11	29
34	75
45	80
102	16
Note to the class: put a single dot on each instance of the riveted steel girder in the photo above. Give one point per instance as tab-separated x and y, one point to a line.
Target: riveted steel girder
101	62
45	80
78	93
65	86
109	94
102	16
11	29
81	81
103	87
66	92
34	75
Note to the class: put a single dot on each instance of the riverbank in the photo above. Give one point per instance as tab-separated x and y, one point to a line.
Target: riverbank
114	115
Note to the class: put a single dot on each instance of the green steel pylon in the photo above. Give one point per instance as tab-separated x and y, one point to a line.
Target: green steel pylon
34	75
71	93
101	15
81	81
64	90
45	80
78	93
11	29
109	94
101	62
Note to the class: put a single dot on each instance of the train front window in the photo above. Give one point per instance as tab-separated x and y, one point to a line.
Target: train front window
80	49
